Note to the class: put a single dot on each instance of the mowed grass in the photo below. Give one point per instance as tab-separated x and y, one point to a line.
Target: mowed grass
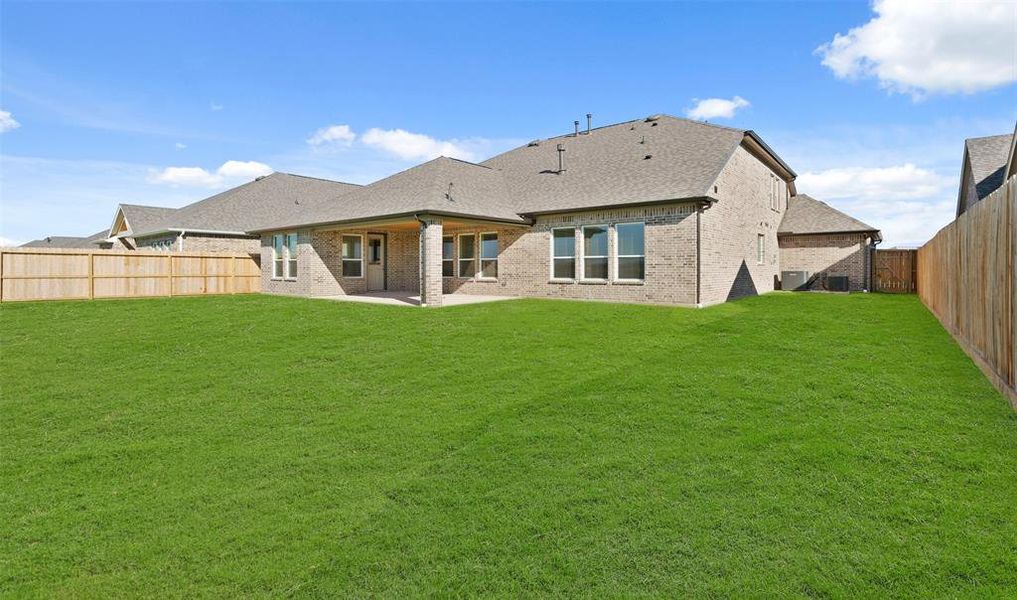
785	445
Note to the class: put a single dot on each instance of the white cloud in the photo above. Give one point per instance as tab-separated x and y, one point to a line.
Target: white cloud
921	47
333	135
908	203
199	177
248	170
900	182
416	146
7	122
186	176
179	146
716	108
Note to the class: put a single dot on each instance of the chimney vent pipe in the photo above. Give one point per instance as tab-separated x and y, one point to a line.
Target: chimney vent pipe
589	122
561	158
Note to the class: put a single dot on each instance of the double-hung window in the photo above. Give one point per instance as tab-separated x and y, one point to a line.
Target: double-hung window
353	256
563	253
291	255
278	248
595	252
448	251
467	255
489	256
760	249
631	253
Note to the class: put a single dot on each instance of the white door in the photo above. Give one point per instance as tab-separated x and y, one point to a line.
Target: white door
375	263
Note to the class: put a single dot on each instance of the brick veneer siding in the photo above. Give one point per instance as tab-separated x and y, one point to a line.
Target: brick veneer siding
524	257
730	227
825	255
430	263
194	242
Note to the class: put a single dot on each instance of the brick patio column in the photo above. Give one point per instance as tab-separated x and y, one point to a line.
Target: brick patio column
430	261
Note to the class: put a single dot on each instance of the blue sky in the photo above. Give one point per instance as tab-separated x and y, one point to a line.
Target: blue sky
168	103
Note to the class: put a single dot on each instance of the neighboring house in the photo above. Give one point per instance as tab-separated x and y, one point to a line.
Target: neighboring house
656	210
987	163
220	223
92	242
823	241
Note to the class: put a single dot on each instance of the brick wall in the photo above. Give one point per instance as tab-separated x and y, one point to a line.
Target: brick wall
194	242
825	255
730	228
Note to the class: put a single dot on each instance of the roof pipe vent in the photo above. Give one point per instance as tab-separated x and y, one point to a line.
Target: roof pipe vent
533	143
576	124
561	158
652	118
589	122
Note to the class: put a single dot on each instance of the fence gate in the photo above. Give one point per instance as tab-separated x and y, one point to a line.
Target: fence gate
896	271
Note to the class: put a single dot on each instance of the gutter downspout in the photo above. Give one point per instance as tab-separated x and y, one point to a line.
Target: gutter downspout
181	240
870	271
699	253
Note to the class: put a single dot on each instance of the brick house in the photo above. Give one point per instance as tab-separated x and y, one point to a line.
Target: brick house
658	210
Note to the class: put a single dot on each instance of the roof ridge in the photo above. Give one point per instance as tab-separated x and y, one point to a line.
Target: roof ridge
313	177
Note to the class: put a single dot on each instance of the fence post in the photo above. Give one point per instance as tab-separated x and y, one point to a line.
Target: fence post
170	271
91	275
1	275
233	275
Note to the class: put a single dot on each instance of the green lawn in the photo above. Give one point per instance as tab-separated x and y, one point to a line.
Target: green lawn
789	445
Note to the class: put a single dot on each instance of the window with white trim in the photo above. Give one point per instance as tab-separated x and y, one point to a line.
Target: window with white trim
278	249
489	255
563	253
467	255
595	252
760	249
291	255
448	254
353	256
630	257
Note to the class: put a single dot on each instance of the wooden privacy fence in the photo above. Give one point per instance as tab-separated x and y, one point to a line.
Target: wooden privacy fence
57	274
966	278
895	271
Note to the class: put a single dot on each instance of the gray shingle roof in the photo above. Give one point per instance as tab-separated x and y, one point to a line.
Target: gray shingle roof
63	241
609	166
247	207
987	157
141	219
806	215
443	185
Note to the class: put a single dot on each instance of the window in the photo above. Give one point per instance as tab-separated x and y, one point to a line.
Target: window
291	255
448	252
563	253
489	255
595	252
631	265
277	255
467	255
760	249
353	258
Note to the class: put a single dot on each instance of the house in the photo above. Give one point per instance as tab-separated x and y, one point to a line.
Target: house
819	239
656	210
987	163
221	222
96	240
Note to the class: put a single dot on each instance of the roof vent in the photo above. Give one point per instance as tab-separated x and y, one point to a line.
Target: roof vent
260	177
533	143
577	128
652	118
648	157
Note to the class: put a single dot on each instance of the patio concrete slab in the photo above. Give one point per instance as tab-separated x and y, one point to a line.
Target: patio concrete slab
411	299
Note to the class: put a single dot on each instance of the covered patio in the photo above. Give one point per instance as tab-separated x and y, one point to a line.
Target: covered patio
413	299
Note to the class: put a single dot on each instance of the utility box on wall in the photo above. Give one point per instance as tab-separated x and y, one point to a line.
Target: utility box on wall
794	280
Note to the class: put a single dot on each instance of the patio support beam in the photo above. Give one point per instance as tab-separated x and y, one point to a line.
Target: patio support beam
430	260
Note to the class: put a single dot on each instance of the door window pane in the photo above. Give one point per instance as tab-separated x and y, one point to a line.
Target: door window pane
447	256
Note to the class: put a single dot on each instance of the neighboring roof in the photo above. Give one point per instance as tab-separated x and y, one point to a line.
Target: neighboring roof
987	157
1011	161
62	241
141	219
806	215
639	161
264	201
441	186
